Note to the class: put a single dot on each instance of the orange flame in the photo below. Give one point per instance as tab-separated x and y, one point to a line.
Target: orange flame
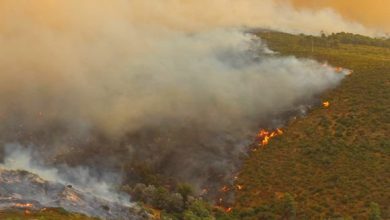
23	205
226	209
342	70
265	136
326	104
338	69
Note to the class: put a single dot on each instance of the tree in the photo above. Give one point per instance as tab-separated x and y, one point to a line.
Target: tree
185	190
198	210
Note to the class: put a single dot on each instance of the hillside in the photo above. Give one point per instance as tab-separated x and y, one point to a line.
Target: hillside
335	161
48	214
331	164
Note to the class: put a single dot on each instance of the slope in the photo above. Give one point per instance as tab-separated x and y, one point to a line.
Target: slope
334	162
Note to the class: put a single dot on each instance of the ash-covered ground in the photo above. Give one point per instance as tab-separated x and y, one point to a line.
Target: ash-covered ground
23	190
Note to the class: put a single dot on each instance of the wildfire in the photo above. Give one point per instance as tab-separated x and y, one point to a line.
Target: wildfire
226	209
326	104
346	72
24	205
338	69
265	136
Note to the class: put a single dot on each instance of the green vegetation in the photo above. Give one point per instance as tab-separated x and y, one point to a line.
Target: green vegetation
171	205
375	213
331	164
348	38
334	40
334	163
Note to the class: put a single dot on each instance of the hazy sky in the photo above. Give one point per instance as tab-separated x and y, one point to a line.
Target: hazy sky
374	13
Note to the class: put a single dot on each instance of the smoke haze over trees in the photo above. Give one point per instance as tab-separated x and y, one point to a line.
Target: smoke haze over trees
125	82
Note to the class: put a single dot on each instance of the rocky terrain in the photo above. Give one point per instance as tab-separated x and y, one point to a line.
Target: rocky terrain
22	190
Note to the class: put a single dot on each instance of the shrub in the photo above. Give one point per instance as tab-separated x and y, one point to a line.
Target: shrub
375	213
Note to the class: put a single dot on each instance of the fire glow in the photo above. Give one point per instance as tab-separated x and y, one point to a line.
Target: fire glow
24	205
326	104
338	69
265	136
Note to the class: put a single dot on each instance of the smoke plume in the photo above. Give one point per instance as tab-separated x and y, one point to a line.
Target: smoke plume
18	158
29	185
179	86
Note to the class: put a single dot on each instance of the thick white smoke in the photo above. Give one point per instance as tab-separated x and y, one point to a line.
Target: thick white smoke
212	77
176	84
18	158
